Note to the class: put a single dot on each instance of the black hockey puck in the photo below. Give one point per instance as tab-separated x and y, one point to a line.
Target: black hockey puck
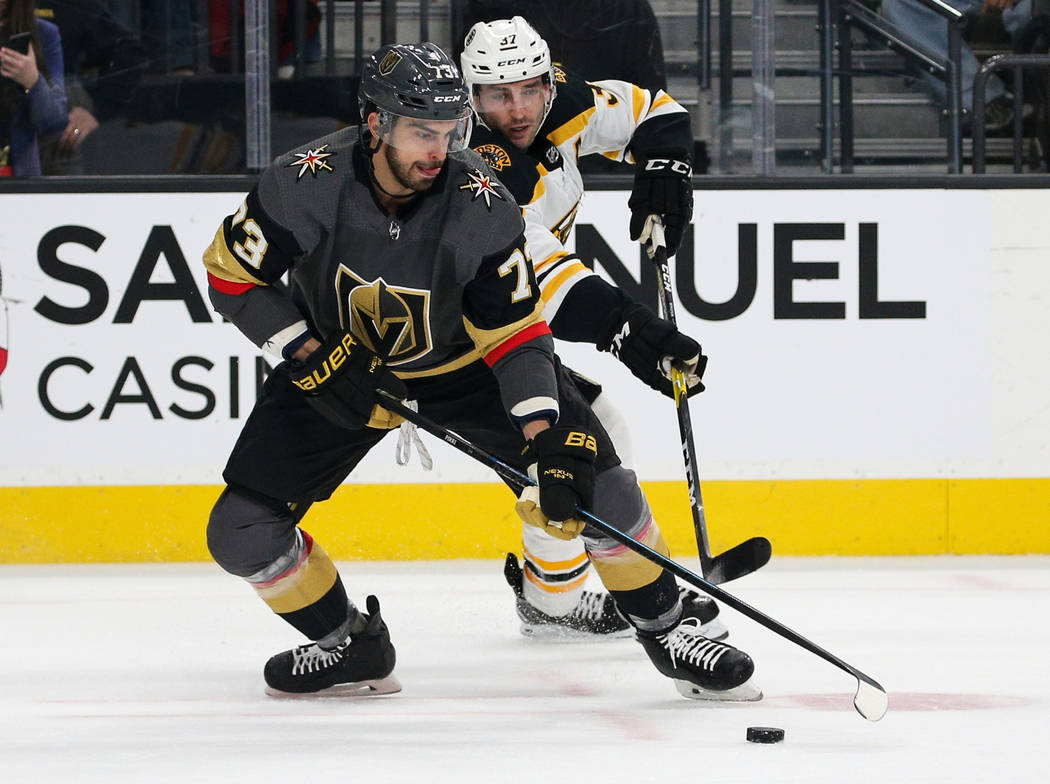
765	734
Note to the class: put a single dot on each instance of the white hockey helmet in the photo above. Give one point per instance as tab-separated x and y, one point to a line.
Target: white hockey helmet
504	51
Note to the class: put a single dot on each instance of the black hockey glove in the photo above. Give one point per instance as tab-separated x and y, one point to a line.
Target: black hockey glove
649	345
663	186
340	380
564	470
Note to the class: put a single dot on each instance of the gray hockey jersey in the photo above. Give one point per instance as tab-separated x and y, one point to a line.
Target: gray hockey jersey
435	290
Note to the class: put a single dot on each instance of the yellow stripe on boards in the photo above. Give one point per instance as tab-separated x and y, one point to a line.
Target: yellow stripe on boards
438	521
999	515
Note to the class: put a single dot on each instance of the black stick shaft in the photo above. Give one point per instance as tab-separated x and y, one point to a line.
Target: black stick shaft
685	423
745	557
520	480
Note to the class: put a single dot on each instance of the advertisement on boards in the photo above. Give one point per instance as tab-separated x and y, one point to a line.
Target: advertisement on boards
851	334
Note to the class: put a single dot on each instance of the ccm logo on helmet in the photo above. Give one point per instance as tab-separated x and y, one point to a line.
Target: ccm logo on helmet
504	63
447	98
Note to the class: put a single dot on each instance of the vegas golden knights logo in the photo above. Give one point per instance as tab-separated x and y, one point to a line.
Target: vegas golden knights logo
392	321
389	63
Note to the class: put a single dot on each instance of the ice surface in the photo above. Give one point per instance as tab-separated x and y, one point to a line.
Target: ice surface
153	674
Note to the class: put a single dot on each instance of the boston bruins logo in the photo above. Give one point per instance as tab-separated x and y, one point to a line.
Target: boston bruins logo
392	321
562	228
494	155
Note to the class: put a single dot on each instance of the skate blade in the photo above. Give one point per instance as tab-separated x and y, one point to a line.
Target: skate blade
371	688
551	633
745	692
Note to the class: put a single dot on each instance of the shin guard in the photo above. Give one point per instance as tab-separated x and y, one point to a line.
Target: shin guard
304	588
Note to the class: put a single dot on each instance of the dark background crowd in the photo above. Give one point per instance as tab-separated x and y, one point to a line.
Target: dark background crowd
157	86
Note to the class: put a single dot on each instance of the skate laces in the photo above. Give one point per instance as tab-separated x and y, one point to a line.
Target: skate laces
686	643
313	658
407	437
591	606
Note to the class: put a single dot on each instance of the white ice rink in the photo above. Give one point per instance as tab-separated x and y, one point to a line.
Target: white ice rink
154	674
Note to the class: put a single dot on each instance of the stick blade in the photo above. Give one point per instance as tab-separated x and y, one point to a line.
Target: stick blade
871	700
746	557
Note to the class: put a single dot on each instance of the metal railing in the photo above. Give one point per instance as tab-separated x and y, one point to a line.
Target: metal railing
1017	63
840	16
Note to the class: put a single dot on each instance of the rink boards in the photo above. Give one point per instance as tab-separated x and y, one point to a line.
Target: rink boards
877	380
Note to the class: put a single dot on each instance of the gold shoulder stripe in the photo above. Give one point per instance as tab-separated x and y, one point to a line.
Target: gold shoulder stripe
662	100
540	188
573	127
221	263
639	100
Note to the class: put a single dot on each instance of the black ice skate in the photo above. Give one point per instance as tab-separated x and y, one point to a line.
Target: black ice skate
705	611
594	617
701	668
361	666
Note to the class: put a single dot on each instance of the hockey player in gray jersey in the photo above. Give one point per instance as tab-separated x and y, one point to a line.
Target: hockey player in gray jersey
535	121
409	273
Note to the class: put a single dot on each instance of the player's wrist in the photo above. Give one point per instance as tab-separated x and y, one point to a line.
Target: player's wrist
305	349
665	161
534	427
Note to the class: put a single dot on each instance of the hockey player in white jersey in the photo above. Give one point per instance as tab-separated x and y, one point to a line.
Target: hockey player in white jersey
535	121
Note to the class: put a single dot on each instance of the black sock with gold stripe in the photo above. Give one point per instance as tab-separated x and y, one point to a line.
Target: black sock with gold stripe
309	594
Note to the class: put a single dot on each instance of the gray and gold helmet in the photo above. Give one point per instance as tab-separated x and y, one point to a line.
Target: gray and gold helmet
414	80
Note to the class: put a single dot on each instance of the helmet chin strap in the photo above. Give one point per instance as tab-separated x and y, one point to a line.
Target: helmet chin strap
375	181
367	138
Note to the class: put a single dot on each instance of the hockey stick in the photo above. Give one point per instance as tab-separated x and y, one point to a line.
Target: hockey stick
747	556
870	700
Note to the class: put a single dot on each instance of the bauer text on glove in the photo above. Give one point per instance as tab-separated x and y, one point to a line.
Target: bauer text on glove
340	379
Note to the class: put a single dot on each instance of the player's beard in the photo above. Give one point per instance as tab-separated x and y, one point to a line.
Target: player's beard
404	170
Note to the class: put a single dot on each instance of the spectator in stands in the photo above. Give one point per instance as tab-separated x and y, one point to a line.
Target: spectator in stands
929	29
104	62
32	92
1016	14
